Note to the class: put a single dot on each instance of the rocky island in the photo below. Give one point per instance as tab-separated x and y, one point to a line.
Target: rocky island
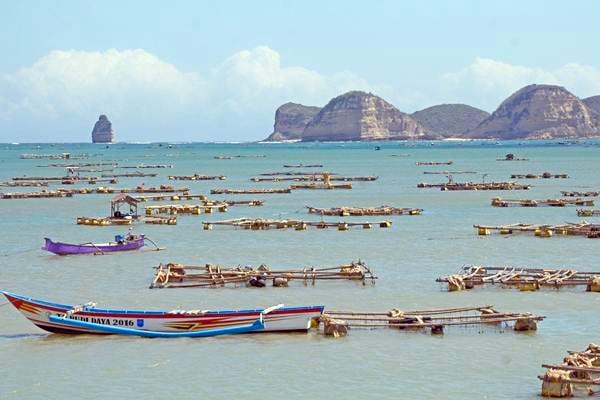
103	132
533	112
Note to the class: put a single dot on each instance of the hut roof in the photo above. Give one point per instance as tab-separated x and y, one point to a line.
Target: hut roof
124	198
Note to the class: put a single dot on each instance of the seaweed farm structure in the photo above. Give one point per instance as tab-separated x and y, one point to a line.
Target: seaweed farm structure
578	374
591	231
212	276
362	211
523	278
197	177
475	186
251	191
499	202
264	224
434	163
545	175
588	213
337	323
580	194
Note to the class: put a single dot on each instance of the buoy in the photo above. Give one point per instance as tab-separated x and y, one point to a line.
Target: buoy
437	330
554	386
342	226
483	231
525	324
506	231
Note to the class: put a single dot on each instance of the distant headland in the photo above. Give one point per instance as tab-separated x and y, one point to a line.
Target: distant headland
532	112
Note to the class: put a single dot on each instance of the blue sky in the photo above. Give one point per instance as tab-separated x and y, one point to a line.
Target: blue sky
217	70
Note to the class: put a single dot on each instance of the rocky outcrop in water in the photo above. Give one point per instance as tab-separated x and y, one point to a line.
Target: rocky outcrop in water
450	120
103	132
358	115
539	112
291	120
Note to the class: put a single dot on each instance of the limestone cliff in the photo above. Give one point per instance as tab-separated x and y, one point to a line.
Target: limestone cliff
450	120
102	132
539	112
290	121
593	104
358	115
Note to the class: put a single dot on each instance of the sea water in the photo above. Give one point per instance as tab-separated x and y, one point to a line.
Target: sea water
464	363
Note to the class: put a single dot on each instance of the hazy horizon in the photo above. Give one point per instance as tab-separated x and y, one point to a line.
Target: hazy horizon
213	72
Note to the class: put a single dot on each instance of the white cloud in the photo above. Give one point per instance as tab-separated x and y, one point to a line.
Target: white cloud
486	82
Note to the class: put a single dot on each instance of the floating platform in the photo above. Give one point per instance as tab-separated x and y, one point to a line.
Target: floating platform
265	224
24	184
545	175
450	186
580	194
142	166
303	166
61	156
588	213
448	172
161	220
362	211
498	202
174	197
251	191
337	323
189	209
522	278
577	375
129	175
434	162
36	195
78	165
295	173
321	186
106	221
314	178
591	231
197	177
213	276
142	189
239	156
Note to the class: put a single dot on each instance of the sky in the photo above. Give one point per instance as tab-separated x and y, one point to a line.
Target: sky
217	71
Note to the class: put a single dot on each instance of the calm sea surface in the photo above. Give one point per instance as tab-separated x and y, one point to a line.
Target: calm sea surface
466	363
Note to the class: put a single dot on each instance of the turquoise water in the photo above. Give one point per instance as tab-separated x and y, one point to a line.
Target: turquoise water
466	363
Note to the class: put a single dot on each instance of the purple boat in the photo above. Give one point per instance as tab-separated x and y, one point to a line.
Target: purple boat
121	243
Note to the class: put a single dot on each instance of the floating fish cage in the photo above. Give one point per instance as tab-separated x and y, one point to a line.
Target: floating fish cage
303	166
362	211
578	375
251	191
338	323
147	166
129	175
499	202
174	197
448	172
189	209
213	276
523	278
161	220
36	195
295	173
580	194
545	175
265	224
591	231
197	177
24	184
142	189
313	178
588	213
322	186
449	186
434	162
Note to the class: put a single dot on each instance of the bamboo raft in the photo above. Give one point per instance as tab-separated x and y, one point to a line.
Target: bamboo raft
523	278
498	202
213	276
448	172
591	231
103	221
129	175
24	184
303	166
580	194
197	177
265	224
189	209
36	195
161	220
337	323
545	175
451	186
434	163
251	191
323	186
578	374
142	189
314	178
588	213
362	211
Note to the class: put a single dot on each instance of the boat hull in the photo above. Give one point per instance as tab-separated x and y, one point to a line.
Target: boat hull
279	320
67	248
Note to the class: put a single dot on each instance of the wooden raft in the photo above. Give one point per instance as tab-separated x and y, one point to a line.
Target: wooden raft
448	172
545	175
522	278
190	209
303	166
434	163
499	202
337	323
580	194
294	173
24	184
197	177
251	191
591	231
475	186
362	211
322	186
36	195
313	178
579	374
265	224
129	175
142	189
212	276
588	213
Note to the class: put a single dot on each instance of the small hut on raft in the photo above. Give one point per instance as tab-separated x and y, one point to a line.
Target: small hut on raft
121	200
